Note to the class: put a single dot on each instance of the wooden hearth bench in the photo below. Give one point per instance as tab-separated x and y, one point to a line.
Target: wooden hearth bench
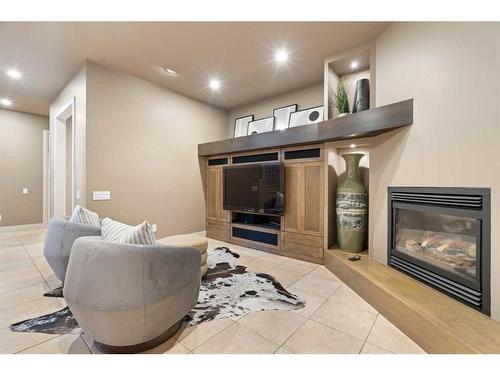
437	323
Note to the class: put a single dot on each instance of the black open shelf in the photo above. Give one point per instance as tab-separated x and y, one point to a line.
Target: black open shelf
257	220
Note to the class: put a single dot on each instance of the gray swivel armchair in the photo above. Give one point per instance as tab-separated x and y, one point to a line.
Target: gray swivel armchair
59	238
130	298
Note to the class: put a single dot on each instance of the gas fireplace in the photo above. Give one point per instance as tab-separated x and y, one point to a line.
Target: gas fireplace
441	236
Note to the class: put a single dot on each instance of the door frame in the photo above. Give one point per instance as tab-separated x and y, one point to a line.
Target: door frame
68	111
46	176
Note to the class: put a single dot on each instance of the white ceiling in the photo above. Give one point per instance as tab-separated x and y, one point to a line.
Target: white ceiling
240	54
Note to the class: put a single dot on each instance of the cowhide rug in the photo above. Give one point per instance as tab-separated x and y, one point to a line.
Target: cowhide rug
227	290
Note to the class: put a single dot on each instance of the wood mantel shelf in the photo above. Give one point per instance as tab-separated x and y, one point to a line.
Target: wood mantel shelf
364	124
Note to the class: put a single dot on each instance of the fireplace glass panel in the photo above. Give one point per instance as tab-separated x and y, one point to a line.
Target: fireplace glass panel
444	241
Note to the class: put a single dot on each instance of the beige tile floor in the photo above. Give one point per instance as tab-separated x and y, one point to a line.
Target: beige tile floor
335	319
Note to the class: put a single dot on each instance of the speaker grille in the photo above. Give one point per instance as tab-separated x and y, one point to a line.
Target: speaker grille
303	154
256	158
219	161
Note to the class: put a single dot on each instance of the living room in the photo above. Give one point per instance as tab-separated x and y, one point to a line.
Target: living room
249	187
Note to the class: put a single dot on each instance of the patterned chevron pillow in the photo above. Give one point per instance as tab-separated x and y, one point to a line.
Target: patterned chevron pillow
115	231
83	216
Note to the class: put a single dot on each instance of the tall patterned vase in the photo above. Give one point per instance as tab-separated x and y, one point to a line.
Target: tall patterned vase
352	207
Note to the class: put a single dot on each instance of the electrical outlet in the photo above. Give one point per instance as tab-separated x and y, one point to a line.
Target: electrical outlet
154	227
25	190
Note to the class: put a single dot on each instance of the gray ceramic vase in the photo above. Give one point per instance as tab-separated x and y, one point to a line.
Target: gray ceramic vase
352	207
361	96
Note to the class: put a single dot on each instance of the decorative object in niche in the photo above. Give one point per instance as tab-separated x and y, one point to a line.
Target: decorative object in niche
341	100
261	126
361	96
352	207
306	116
282	116
241	125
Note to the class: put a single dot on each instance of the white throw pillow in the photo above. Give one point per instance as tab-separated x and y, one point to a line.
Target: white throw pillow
83	216
115	231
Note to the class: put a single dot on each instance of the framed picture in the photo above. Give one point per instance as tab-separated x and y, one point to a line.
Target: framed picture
261	126
241	126
306	116
282	116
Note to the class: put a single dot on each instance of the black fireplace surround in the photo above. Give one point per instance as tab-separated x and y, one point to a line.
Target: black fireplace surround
441	237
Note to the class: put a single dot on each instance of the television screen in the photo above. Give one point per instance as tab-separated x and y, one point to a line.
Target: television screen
255	188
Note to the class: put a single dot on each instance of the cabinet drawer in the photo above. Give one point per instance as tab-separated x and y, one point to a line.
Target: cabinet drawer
296	248
303	239
218	230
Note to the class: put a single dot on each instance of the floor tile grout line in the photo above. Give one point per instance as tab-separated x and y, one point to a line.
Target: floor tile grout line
335	329
218	333
370	331
288	338
352	305
39	343
314	294
184	346
36	266
279	345
338	329
44	282
86	343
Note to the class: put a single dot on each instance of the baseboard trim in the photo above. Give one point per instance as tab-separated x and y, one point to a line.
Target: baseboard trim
15	228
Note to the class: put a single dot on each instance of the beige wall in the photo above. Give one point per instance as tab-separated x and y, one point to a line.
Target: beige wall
452	70
142	146
307	97
76	89
21	166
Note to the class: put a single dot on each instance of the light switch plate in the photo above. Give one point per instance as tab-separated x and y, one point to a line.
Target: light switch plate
25	190
153	226
101	195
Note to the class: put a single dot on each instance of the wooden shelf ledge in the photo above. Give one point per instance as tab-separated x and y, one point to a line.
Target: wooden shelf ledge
434	321
364	124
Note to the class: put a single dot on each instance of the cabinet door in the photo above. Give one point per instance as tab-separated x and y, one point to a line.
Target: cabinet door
313	198
293	198
223	215
213	193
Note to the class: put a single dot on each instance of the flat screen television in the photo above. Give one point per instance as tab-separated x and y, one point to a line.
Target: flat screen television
258	188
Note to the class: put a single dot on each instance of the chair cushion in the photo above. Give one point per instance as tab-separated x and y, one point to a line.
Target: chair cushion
83	216
115	231
196	241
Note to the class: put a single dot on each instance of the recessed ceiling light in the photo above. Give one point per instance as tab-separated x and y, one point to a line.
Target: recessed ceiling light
354	65
6	102
170	71
353	145
281	56
214	84
13	73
